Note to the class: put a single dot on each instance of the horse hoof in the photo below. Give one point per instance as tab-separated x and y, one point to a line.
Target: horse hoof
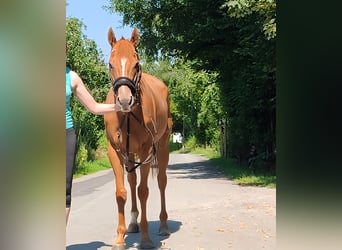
164	231
119	247
146	244
133	228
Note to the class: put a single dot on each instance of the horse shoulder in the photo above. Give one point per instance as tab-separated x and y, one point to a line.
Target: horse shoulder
155	98
154	82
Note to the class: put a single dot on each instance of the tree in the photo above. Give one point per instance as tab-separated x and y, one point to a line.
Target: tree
236	39
195	100
266	9
252	88
85	59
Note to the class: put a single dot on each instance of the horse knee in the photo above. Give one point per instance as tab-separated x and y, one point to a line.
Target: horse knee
121	194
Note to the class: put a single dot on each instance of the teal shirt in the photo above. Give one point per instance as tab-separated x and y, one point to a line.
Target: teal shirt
68	91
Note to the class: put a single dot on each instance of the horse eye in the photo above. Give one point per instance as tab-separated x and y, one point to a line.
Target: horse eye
110	66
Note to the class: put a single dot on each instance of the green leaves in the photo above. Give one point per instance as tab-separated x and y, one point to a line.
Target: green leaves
195	100
85	59
265	10
233	38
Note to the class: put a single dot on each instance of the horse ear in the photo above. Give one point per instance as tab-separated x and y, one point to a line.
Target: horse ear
111	37
135	37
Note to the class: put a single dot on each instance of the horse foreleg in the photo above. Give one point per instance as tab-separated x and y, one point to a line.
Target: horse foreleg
121	197
143	193
163	159
133	226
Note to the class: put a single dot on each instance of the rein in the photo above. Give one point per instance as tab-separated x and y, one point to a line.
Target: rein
150	158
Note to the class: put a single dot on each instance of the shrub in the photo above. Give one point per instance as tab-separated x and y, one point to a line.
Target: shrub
191	143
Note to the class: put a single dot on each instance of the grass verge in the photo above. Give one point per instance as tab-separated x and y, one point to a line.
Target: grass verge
240	174
243	175
92	167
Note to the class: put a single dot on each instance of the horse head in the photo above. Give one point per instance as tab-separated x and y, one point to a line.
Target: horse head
124	69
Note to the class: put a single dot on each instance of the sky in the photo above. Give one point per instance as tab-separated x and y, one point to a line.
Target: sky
97	21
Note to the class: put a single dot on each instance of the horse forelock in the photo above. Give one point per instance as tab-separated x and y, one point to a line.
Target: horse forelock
124	48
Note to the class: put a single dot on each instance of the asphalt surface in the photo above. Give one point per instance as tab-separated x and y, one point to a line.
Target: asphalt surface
206	211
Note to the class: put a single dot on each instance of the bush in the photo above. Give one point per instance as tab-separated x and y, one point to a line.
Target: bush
101	151
81	156
191	143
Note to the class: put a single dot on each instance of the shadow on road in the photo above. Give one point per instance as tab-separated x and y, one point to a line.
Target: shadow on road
87	246
194	170
133	239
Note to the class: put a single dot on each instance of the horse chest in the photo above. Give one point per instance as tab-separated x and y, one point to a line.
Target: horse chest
132	139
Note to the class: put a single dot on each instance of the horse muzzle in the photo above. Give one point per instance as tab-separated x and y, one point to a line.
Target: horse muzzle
124	90
125	104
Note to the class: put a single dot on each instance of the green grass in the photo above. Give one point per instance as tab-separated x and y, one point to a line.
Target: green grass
92	167
243	175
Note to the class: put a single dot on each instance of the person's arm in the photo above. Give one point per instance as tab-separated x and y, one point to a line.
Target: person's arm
86	98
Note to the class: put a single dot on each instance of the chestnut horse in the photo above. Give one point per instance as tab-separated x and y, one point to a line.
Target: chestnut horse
138	135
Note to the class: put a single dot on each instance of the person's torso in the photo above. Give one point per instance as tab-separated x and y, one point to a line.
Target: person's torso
68	91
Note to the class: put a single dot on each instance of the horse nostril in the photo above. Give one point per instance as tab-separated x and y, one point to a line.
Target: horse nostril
118	99
131	101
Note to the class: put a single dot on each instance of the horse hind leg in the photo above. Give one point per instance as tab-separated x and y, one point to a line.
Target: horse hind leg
163	216
163	157
133	226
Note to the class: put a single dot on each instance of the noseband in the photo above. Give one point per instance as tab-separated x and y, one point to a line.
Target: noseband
125	81
134	85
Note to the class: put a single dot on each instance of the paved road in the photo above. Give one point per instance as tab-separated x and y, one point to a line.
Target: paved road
206	211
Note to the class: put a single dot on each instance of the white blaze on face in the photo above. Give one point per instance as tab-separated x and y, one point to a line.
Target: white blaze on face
123	65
